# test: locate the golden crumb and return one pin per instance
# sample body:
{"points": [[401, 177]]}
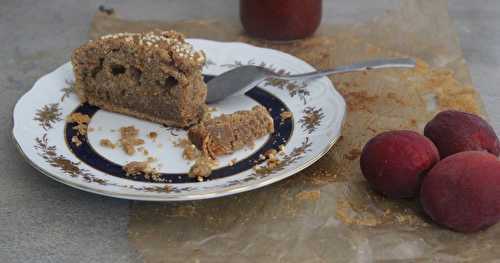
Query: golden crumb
{"points": [[90, 129], [129, 139], [282, 149], [76, 140], [107, 143], [308, 195], [153, 135], [273, 163], [201, 168], [81, 120], [271, 154], [135, 168], [233, 162], [189, 150], [81, 129], [129, 149], [353, 154], [129, 131], [144, 168], [286, 115]]}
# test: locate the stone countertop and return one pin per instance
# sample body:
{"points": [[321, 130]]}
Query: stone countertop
{"points": [[44, 221]]}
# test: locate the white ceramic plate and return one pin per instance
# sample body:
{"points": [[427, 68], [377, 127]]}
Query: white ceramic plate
{"points": [[44, 137]]}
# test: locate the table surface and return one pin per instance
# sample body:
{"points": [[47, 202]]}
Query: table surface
{"points": [[44, 221]]}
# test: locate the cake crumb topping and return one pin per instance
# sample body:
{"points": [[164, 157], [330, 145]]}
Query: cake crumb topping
{"points": [[181, 51]]}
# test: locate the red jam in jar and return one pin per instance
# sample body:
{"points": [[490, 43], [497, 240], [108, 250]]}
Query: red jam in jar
{"points": [[280, 19]]}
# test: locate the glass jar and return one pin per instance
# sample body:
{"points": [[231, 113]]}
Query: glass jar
{"points": [[280, 19]]}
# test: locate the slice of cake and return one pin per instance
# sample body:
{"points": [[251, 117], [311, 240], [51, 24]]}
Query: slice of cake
{"points": [[154, 76], [228, 133]]}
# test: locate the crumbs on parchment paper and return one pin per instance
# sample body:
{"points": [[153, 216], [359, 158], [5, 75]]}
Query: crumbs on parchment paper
{"points": [[308, 195]]}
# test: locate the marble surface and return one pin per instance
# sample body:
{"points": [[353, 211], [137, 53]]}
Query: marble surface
{"points": [[44, 221]]}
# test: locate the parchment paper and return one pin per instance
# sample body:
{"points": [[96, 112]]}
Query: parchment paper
{"points": [[327, 213]]}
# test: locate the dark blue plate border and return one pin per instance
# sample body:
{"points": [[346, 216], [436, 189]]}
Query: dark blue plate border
{"points": [[282, 133]]}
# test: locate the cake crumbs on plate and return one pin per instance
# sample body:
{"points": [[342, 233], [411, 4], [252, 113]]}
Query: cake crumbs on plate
{"points": [[282, 149], [233, 162], [129, 139], [189, 150], [137, 168], [271, 162], [286, 115], [271, 154], [76, 140], [201, 168], [81, 120], [153, 135], [107, 143]]}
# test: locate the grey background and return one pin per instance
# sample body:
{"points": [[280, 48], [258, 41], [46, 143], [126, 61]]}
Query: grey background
{"points": [[44, 221]]}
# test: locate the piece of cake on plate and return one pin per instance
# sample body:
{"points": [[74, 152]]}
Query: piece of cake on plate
{"points": [[230, 132], [155, 76]]}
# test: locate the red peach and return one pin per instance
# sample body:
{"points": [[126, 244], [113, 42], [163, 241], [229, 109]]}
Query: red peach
{"points": [[393, 162], [455, 131], [462, 192]]}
